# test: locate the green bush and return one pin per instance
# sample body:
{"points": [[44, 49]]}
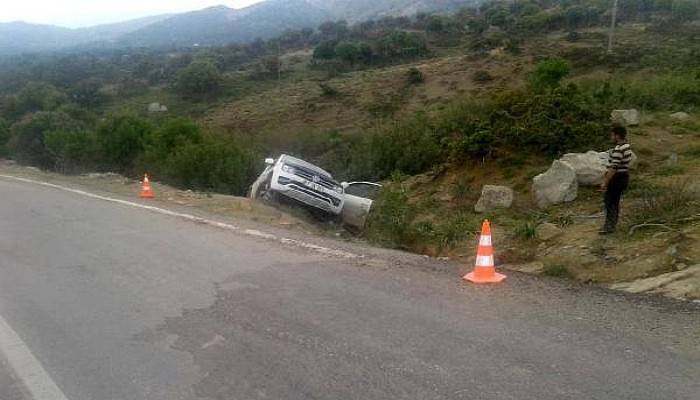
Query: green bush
{"points": [[39, 96], [556, 270], [328, 90], [72, 150], [122, 139], [410, 147], [414, 76], [214, 164], [549, 73], [481, 76], [198, 79], [390, 221], [28, 137], [4, 138]]}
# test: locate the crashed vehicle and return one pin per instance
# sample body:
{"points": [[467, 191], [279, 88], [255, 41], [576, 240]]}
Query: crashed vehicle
{"points": [[292, 178]]}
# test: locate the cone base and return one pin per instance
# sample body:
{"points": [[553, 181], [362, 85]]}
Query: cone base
{"points": [[147, 196], [495, 278]]}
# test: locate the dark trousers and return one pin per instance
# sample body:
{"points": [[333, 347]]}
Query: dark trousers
{"points": [[617, 186]]}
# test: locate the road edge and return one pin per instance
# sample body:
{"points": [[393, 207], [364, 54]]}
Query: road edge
{"points": [[327, 251]]}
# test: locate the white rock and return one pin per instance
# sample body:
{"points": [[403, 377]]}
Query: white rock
{"points": [[626, 117], [684, 285], [156, 107], [494, 197], [680, 116], [556, 186], [590, 167]]}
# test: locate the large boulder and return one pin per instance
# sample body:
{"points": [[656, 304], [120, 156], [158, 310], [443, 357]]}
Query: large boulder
{"points": [[494, 197], [157, 107], [556, 186], [680, 116], [626, 117], [590, 167]]}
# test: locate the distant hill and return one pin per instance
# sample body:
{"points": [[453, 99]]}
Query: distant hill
{"points": [[220, 25], [20, 37], [213, 26]]}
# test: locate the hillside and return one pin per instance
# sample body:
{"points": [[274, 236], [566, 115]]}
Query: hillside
{"points": [[213, 26]]}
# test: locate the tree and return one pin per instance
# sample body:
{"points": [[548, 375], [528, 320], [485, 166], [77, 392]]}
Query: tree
{"points": [[87, 93], [28, 142], [685, 10], [549, 73], [121, 140], [39, 96], [198, 79], [348, 52], [435, 24], [4, 138], [325, 50]]}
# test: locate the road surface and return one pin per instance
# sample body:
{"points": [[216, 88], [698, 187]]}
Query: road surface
{"points": [[113, 302]]}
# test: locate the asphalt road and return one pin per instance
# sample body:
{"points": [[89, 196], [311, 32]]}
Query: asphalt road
{"points": [[121, 303]]}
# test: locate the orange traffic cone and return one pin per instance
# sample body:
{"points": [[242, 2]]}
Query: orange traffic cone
{"points": [[484, 269], [146, 190]]}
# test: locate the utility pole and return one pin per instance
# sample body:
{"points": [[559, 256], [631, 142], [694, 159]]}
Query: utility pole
{"points": [[611, 38]]}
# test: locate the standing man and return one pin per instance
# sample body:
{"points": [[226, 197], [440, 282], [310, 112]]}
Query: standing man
{"points": [[616, 178]]}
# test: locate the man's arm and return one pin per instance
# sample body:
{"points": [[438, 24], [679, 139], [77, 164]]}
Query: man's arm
{"points": [[607, 177]]}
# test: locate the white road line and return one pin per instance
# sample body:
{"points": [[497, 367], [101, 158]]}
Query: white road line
{"points": [[221, 225], [26, 366]]}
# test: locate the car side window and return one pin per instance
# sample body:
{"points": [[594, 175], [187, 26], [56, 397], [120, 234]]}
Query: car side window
{"points": [[363, 190]]}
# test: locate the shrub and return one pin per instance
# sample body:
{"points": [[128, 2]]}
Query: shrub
{"points": [[325, 50], [4, 138], [72, 150], [39, 96], [28, 142], [482, 76], [693, 151], [328, 90], [526, 230], [414, 76], [121, 140], [198, 79], [549, 73], [556, 270], [390, 221], [385, 105], [214, 164], [410, 147]]}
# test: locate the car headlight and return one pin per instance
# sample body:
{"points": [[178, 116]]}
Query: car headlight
{"points": [[338, 189], [288, 169]]}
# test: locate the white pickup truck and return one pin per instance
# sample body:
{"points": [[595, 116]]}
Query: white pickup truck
{"points": [[314, 187]]}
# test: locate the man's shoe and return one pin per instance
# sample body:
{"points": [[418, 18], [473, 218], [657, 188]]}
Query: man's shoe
{"points": [[605, 231]]}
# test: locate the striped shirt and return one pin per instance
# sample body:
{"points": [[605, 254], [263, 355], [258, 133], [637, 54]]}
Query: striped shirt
{"points": [[619, 157]]}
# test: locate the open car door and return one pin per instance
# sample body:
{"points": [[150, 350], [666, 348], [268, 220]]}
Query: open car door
{"points": [[359, 197]]}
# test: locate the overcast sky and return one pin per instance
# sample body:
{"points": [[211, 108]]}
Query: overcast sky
{"points": [[79, 13]]}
